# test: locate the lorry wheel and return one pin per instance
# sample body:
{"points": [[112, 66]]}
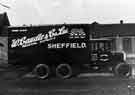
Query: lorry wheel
{"points": [[123, 70], [64, 71], [42, 71]]}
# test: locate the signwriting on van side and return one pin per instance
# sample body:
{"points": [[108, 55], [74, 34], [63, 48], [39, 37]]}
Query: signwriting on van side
{"points": [[67, 45], [25, 41]]}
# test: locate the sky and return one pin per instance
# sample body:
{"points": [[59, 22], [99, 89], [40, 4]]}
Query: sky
{"points": [[68, 11]]}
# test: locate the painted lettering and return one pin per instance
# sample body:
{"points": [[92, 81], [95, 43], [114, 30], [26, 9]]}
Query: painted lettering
{"points": [[67, 45], [52, 34]]}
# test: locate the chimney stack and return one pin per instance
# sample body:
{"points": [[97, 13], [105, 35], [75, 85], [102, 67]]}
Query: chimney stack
{"points": [[121, 21]]}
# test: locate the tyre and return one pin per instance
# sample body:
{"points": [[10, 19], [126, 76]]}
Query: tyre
{"points": [[42, 71], [123, 70], [64, 71]]}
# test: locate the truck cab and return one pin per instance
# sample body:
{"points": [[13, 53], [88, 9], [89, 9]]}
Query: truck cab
{"points": [[104, 60]]}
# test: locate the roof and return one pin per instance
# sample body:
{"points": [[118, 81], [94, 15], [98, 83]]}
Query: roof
{"points": [[113, 30], [97, 30]]}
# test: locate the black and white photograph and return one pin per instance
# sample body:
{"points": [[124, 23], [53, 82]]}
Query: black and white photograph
{"points": [[67, 47]]}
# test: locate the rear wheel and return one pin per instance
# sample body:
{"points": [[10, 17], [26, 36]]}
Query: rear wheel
{"points": [[42, 71], [64, 71]]}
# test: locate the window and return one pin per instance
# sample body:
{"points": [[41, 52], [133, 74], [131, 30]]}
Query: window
{"points": [[94, 45], [101, 45], [127, 45], [113, 44]]}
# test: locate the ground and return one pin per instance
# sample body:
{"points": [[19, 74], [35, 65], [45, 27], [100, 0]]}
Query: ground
{"points": [[11, 83]]}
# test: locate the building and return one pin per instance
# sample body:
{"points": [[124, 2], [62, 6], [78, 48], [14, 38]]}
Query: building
{"points": [[4, 22]]}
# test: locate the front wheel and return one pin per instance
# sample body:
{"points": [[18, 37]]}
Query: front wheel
{"points": [[123, 70], [64, 71]]}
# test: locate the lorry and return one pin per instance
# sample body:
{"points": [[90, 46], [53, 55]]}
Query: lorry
{"points": [[64, 51]]}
